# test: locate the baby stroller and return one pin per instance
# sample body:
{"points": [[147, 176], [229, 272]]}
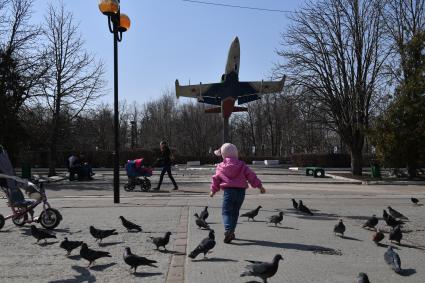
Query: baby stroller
{"points": [[23, 209], [137, 173]]}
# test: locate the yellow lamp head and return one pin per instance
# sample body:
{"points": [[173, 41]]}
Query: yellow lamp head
{"points": [[109, 7]]}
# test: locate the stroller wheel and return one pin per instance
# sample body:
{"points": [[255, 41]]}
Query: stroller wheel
{"points": [[145, 185], [20, 220], [1, 221], [50, 218], [128, 188]]}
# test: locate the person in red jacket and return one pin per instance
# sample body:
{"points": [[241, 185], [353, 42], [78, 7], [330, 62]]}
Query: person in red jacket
{"points": [[232, 176]]}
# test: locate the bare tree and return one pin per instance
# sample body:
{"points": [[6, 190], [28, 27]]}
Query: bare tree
{"points": [[22, 67], [75, 78], [335, 50]]}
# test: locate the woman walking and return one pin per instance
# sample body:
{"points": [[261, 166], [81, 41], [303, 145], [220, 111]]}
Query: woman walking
{"points": [[165, 161]]}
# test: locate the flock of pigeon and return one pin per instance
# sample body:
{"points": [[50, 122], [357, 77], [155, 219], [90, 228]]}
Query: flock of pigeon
{"points": [[91, 255], [263, 270]]}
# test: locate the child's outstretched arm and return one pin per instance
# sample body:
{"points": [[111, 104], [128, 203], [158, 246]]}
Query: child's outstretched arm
{"points": [[215, 184], [253, 179]]}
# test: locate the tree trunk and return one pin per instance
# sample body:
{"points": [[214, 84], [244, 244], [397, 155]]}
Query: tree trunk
{"points": [[356, 161], [54, 137]]}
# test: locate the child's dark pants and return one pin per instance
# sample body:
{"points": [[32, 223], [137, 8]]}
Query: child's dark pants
{"points": [[232, 202]]}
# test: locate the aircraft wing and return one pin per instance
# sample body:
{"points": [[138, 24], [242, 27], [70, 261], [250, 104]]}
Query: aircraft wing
{"points": [[251, 91], [200, 91]]}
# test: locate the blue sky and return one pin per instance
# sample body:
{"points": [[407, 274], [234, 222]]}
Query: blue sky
{"points": [[172, 39]]}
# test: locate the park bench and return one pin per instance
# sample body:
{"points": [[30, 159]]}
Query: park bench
{"points": [[315, 171]]}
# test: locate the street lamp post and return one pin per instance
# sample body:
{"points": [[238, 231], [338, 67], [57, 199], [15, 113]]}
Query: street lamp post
{"points": [[118, 23]]}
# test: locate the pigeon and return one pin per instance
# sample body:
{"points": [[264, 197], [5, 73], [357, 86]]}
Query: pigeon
{"points": [[276, 219], [391, 221], [91, 255], [394, 213], [41, 234], [264, 270], [396, 234], [362, 278], [339, 228], [371, 222], [69, 245], [251, 214], [161, 241], [414, 200], [201, 222], [393, 260], [135, 261], [378, 236], [101, 234], [294, 204], [205, 246], [304, 209], [130, 225], [204, 214], [385, 215]]}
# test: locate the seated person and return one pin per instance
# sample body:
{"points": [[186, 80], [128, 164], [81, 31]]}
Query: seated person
{"points": [[85, 170]]}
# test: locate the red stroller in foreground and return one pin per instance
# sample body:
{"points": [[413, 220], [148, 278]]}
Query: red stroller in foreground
{"points": [[137, 173], [23, 209]]}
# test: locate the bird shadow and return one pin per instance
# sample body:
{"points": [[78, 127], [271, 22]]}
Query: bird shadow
{"points": [[407, 272], [64, 230], [386, 246], [351, 238], [410, 246], [171, 252], [214, 259], [259, 221], [283, 227], [84, 276], [102, 267], [146, 274], [288, 246], [47, 244], [74, 257], [358, 217], [318, 216], [5, 231], [110, 244]]}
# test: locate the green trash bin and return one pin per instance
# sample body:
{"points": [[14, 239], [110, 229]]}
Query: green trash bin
{"points": [[26, 171], [376, 171]]}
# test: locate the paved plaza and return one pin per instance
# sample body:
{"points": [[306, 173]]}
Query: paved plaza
{"points": [[311, 252]]}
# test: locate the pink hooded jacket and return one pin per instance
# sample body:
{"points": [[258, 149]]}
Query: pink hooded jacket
{"points": [[233, 173]]}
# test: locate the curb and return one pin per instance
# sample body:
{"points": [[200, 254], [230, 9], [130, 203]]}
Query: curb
{"points": [[176, 270]]}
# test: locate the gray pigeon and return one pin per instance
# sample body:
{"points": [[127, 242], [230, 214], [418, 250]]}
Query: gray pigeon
{"points": [[393, 260], [69, 245], [276, 219], [251, 214], [41, 234], [304, 209], [391, 221], [91, 255], [264, 270], [396, 234], [339, 228], [101, 234], [294, 204], [371, 222], [394, 213], [134, 260], [130, 225], [362, 278], [205, 246], [204, 214], [201, 222], [161, 241]]}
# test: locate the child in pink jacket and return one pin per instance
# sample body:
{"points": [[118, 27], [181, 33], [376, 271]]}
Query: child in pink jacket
{"points": [[232, 176]]}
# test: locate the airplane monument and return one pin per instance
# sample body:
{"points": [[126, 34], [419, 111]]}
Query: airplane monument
{"points": [[225, 93]]}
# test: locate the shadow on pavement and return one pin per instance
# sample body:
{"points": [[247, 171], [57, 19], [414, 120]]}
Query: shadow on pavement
{"points": [[171, 252], [110, 244], [47, 244], [146, 274], [351, 238], [214, 259], [289, 246], [283, 227], [84, 276], [408, 272], [411, 247], [102, 267], [74, 257]]}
